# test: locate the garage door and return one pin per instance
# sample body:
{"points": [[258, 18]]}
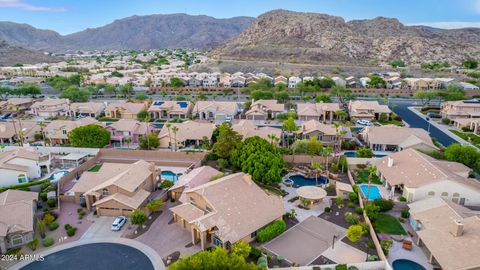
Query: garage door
{"points": [[112, 212]]}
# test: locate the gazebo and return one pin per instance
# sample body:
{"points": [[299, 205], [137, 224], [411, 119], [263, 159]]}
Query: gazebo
{"points": [[313, 194]]}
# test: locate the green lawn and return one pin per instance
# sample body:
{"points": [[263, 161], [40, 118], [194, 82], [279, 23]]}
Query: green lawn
{"points": [[361, 176], [392, 122], [474, 139], [388, 224], [95, 168]]}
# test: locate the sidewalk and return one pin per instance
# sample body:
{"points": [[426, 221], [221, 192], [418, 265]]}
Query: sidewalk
{"points": [[443, 128]]}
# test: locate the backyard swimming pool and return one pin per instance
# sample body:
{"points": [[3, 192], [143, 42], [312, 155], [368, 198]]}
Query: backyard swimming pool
{"points": [[169, 175], [373, 194], [57, 175], [352, 154], [300, 180], [403, 264]]}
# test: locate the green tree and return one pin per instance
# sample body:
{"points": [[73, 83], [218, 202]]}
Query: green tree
{"points": [[89, 136], [141, 115], [176, 82], [257, 157], [141, 96], [343, 95], [28, 89], [454, 92], [126, 90], [149, 142], [117, 74], [425, 95], [138, 217], [372, 210], [241, 248], [323, 98], [5, 92], [466, 155], [75, 94], [261, 94], [41, 228], [218, 258], [364, 152], [155, 205], [289, 126], [282, 96], [226, 141], [354, 233], [110, 89], [397, 63], [470, 64], [377, 82]]}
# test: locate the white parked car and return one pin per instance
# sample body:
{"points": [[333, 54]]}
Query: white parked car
{"points": [[118, 223], [364, 122]]}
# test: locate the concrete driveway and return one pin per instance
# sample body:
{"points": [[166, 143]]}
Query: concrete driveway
{"points": [[166, 237], [102, 228]]}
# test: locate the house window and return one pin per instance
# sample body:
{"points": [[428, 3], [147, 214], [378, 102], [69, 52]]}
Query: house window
{"points": [[217, 241], [192, 200], [104, 192], [456, 194], [64, 131], [431, 193], [22, 178], [253, 234], [444, 194], [17, 240]]}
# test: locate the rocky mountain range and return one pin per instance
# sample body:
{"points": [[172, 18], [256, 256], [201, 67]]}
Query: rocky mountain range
{"points": [[11, 55], [136, 32], [298, 37]]}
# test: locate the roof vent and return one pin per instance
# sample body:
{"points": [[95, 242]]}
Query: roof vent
{"points": [[456, 229], [390, 162]]}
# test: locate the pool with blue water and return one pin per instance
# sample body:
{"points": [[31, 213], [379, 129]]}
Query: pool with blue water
{"points": [[373, 194], [169, 175], [403, 264], [300, 180]]}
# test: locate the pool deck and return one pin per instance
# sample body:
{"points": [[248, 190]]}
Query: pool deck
{"points": [[303, 214], [416, 254]]}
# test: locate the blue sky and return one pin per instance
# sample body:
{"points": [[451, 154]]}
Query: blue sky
{"points": [[69, 16]]}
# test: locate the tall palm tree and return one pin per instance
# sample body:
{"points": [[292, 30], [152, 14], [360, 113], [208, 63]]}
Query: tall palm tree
{"points": [[328, 151], [147, 120], [168, 125], [317, 167], [42, 126], [175, 130], [372, 170]]}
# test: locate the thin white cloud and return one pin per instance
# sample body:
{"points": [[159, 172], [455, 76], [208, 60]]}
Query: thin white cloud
{"points": [[449, 25], [476, 5], [20, 4]]}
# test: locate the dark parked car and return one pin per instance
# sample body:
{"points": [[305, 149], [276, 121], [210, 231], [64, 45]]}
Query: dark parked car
{"points": [[434, 115]]}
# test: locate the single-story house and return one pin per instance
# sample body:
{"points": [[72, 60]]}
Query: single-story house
{"points": [[230, 209], [21, 166], [248, 128], [394, 138], [126, 110], [368, 110], [264, 109], [217, 111], [92, 109], [170, 109], [190, 133], [10, 131], [317, 111]]}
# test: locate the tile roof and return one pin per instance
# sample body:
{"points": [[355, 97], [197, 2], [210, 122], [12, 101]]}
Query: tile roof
{"points": [[16, 211]]}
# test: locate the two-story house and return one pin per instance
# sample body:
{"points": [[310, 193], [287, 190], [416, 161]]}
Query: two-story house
{"points": [[368, 110], [327, 134], [16, 105], [21, 166], [264, 109], [165, 110], [460, 109], [50, 107], [317, 111], [117, 188], [57, 130], [216, 111], [128, 110], [91, 109], [128, 131]]}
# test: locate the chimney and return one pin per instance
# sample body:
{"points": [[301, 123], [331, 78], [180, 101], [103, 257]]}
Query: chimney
{"points": [[456, 229], [390, 162]]}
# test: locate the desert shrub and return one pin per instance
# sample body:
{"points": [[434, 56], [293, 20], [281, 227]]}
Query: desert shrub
{"points": [[166, 184], [51, 202], [48, 241], [350, 205], [351, 218], [466, 129], [359, 210], [330, 188], [361, 166], [48, 218], [353, 197], [341, 267], [385, 205], [33, 244], [255, 252], [370, 244], [446, 121], [71, 231], [42, 196], [328, 209], [338, 200], [271, 231], [402, 199], [262, 262], [222, 164], [67, 226], [405, 213], [53, 226], [334, 167]]}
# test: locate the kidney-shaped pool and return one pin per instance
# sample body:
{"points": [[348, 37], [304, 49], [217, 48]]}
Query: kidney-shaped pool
{"points": [[96, 256]]}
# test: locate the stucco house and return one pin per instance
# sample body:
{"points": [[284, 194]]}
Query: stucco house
{"points": [[394, 138], [417, 176], [10, 131], [50, 107], [129, 129], [460, 109], [194, 178], [248, 128], [190, 133], [21, 166], [294, 81], [57, 130], [368, 110], [17, 213], [16, 105], [230, 209], [264, 109], [327, 134], [117, 188], [317, 111], [91, 109], [170, 109], [447, 232], [126, 110], [217, 111]]}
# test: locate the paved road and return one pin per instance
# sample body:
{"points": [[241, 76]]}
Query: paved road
{"points": [[416, 121], [98, 256]]}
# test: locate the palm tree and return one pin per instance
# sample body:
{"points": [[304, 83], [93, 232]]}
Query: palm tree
{"points": [[317, 167], [168, 125], [372, 170], [175, 130], [128, 140], [42, 126], [328, 151], [147, 120]]}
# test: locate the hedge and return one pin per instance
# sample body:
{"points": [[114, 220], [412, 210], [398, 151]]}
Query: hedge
{"points": [[71, 231], [25, 185], [271, 231]]}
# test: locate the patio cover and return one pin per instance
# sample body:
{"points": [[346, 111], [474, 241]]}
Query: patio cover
{"points": [[311, 192]]}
